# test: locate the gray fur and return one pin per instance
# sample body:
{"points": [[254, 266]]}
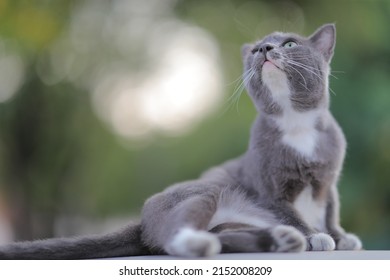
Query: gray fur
{"points": [[262, 200], [122, 243]]}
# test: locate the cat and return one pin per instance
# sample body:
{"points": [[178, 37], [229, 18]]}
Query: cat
{"points": [[279, 196]]}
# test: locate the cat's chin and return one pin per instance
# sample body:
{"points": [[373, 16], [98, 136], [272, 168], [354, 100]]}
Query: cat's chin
{"points": [[275, 79]]}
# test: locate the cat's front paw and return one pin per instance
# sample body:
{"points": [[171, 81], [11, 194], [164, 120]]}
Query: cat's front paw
{"points": [[287, 239], [349, 241], [321, 242]]}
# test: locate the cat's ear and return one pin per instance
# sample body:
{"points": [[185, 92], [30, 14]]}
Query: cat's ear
{"points": [[246, 49], [324, 40]]}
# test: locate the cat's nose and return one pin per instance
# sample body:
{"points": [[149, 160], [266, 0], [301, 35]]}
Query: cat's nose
{"points": [[266, 48]]}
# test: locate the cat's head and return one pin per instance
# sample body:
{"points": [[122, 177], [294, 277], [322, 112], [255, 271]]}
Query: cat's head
{"points": [[285, 69]]}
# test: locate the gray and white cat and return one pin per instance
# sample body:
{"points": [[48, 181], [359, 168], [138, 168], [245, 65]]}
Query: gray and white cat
{"points": [[279, 196]]}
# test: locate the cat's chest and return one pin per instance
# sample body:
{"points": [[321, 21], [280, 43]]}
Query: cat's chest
{"points": [[310, 209], [298, 131]]}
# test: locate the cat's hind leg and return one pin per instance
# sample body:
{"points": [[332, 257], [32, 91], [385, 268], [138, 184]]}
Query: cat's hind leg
{"points": [[175, 221], [248, 239], [189, 242]]}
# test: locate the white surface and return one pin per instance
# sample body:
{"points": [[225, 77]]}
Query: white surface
{"points": [[330, 255]]}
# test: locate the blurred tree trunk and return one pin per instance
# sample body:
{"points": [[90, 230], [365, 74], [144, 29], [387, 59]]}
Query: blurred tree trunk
{"points": [[37, 155]]}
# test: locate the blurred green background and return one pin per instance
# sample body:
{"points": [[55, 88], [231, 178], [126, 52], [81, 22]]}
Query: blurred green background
{"points": [[103, 103]]}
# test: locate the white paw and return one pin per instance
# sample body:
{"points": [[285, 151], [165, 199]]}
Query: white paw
{"points": [[321, 242], [193, 243], [288, 239], [349, 242]]}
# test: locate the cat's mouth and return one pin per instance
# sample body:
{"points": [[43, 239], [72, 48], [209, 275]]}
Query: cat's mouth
{"points": [[269, 63]]}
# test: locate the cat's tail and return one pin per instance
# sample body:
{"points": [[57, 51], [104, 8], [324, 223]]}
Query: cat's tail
{"points": [[126, 242]]}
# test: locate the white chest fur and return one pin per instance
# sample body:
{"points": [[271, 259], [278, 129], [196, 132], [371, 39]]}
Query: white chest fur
{"points": [[310, 210], [298, 128]]}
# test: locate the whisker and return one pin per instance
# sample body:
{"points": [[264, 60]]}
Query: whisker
{"points": [[306, 68], [332, 91], [304, 86], [338, 71], [240, 77], [301, 55], [235, 97], [300, 63], [300, 75], [333, 71]]}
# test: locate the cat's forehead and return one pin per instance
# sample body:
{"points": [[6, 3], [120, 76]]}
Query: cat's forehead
{"points": [[280, 37]]}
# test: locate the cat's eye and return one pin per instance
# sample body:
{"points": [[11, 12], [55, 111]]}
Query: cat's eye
{"points": [[290, 44]]}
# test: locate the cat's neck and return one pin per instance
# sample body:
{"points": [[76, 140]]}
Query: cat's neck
{"points": [[297, 130]]}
